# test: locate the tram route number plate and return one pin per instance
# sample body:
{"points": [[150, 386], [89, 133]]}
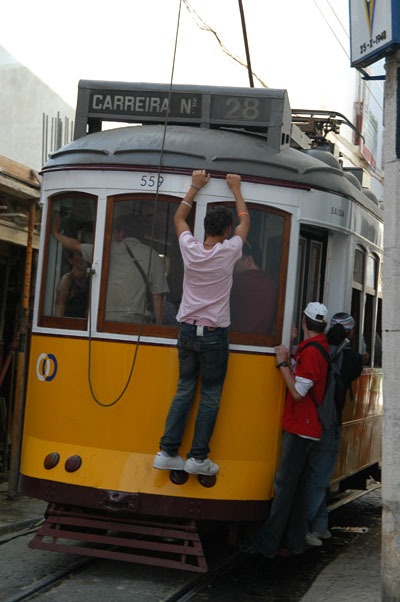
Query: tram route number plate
{"points": [[240, 108], [154, 104]]}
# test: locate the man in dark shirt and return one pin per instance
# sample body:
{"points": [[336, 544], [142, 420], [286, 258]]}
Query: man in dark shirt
{"points": [[253, 295]]}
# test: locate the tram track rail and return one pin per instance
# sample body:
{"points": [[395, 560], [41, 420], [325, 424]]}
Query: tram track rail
{"points": [[196, 585], [183, 593], [43, 584], [27, 531]]}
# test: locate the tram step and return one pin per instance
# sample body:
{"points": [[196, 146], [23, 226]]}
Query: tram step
{"points": [[149, 542]]}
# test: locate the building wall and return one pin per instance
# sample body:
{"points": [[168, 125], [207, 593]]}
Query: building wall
{"points": [[23, 100]]}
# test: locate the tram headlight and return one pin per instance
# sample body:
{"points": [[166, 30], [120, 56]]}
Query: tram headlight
{"points": [[51, 460], [73, 463]]}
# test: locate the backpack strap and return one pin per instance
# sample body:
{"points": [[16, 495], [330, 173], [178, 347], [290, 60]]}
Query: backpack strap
{"points": [[325, 354], [320, 349], [149, 296], [339, 349]]}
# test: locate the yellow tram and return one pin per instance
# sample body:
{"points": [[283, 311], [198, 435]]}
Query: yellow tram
{"points": [[100, 383]]}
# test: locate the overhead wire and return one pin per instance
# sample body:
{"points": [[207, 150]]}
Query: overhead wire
{"points": [[107, 405], [338, 18], [205, 27], [332, 30], [347, 54], [367, 85]]}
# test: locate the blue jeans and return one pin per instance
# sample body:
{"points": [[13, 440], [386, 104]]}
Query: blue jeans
{"points": [[321, 464], [208, 355], [286, 525]]}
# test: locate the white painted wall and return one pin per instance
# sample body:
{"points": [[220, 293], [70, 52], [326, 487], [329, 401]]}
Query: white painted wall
{"points": [[23, 100], [391, 341]]}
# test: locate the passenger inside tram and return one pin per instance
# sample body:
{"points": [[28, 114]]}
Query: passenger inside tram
{"points": [[175, 282], [67, 288], [129, 276], [127, 272], [73, 289], [253, 294]]}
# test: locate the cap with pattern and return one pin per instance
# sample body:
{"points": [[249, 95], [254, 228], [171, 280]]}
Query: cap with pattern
{"points": [[346, 320]]}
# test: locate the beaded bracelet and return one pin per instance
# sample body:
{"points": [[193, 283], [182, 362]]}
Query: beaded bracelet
{"points": [[194, 186]]}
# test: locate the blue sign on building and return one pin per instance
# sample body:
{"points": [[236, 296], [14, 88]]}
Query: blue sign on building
{"points": [[374, 30]]}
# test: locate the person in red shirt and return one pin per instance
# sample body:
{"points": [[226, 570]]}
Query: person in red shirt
{"points": [[284, 531]]}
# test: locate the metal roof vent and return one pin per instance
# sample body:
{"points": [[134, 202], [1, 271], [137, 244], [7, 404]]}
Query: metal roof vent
{"points": [[370, 195], [353, 179], [325, 157]]}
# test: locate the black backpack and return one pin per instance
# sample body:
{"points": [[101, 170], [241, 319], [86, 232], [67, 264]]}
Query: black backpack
{"points": [[335, 387]]}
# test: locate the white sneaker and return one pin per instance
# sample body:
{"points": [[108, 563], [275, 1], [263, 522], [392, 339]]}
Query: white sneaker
{"points": [[312, 540], [323, 535], [163, 461], [206, 467]]}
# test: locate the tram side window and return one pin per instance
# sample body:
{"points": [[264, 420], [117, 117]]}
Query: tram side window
{"points": [[143, 254], [366, 306], [311, 262], [255, 290], [356, 298], [69, 254], [370, 322]]}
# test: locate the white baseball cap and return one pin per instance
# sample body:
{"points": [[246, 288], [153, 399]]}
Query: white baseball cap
{"points": [[316, 311]]}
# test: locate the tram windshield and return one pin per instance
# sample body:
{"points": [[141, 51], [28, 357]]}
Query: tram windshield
{"points": [[142, 268], [142, 273], [69, 254]]}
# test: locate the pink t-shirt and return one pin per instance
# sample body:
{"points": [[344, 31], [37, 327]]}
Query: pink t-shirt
{"points": [[207, 280]]}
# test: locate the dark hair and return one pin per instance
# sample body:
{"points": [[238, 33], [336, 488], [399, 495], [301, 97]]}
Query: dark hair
{"points": [[217, 220], [130, 224], [336, 334], [250, 250], [72, 252], [314, 325]]}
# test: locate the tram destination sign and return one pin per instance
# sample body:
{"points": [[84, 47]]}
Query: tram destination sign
{"points": [[142, 104], [258, 109], [374, 30]]}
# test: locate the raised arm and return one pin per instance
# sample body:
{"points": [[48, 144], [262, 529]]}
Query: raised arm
{"points": [[199, 179], [69, 243], [233, 181], [283, 355]]}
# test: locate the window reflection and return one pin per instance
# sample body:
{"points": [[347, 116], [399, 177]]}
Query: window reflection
{"points": [[372, 268], [256, 276], [69, 255], [365, 307], [72, 292], [140, 261], [358, 272]]}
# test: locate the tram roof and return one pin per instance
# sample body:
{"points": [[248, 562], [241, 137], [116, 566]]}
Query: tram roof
{"points": [[213, 150]]}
